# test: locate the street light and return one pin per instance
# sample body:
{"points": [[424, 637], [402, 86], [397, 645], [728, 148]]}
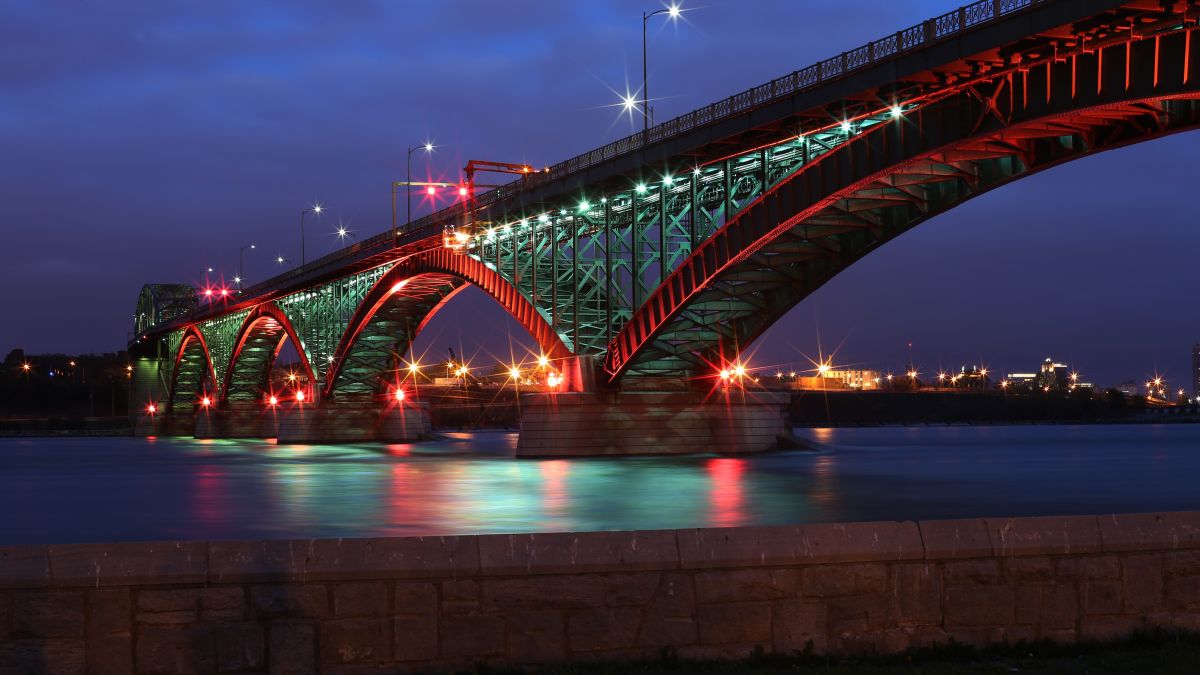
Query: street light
{"points": [[315, 208], [673, 12], [428, 148], [241, 262]]}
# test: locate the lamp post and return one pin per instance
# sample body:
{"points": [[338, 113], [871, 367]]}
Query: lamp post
{"points": [[673, 13], [241, 263], [315, 208], [428, 148]]}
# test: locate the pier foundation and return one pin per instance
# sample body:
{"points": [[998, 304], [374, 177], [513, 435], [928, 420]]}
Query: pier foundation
{"points": [[647, 423], [239, 420], [342, 421]]}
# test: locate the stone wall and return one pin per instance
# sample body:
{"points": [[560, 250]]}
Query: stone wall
{"points": [[345, 605]]}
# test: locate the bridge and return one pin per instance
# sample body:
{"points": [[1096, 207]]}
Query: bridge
{"points": [[660, 256]]}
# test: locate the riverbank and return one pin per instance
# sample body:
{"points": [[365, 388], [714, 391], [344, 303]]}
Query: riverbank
{"points": [[530, 600]]}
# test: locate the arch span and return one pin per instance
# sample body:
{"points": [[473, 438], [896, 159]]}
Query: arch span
{"points": [[191, 370], [893, 176], [401, 303], [261, 336]]}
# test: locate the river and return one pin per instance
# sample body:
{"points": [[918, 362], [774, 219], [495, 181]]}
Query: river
{"points": [[61, 490]]}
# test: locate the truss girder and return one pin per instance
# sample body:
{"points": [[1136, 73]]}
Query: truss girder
{"points": [[943, 153]]}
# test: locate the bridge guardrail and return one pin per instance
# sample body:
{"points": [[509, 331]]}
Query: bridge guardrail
{"points": [[891, 46]]}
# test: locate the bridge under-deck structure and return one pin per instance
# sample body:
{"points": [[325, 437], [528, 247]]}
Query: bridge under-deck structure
{"points": [[656, 259]]}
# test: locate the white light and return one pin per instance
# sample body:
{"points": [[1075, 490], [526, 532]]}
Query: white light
{"points": [[846, 127], [641, 187], [544, 218], [341, 233], [237, 280], [429, 147], [897, 111], [667, 180], [316, 208], [279, 259], [583, 205], [628, 103], [673, 11]]}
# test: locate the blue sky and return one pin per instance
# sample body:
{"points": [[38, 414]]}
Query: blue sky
{"points": [[146, 141]]}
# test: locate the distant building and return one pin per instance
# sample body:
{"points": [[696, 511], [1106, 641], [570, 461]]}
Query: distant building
{"points": [[1128, 387], [1196, 370], [1021, 381], [860, 380], [1051, 376]]}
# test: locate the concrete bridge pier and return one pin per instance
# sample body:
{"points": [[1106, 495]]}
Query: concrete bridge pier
{"points": [[239, 419], [354, 421], [164, 424], [650, 423]]}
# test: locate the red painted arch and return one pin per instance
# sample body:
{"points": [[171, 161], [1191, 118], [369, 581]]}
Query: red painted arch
{"points": [[460, 266], [267, 310], [190, 333]]}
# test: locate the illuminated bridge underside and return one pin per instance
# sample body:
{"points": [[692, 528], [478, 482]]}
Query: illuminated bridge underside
{"points": [[192, 372], [893, 176]]}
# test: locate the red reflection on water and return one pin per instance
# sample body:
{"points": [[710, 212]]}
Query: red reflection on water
{"points": [[554, 491], [211, 501], [726, 496]]}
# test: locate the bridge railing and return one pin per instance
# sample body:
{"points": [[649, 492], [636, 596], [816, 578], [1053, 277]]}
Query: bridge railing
{"points": [[889, 47]]}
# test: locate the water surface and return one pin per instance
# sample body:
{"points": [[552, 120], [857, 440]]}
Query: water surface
{"points": [[114, 489]]}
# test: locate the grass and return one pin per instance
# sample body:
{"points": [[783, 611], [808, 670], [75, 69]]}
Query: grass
{"points": [[1165, 653]]}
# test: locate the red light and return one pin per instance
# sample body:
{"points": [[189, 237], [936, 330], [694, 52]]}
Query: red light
{"points": [[300, 396], [151, 408], [430, 190], [462, 192], [206, 401], [208, 291], [272, 401], [224, 291], [399, 394]]}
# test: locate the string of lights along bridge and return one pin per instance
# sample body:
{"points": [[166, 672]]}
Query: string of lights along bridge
{"points": [[663, 255]]}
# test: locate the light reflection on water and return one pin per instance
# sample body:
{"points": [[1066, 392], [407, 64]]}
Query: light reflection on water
{"points": [[107, 489]]}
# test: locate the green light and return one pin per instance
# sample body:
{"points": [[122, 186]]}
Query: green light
{"points": [[641, 188]]}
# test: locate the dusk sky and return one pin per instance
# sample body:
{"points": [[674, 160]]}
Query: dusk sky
{"points": [[146, 141]]}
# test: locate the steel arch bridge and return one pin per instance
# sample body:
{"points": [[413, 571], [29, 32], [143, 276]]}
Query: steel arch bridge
{"points": [[668, 252]]}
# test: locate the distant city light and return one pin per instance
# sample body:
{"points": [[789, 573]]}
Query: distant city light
{"points": [[514, 373], [543, 361], [151, 408]]}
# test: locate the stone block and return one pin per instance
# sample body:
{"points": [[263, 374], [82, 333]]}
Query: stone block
{"points": [[129, 564], [257, 561], [471, 637], [1051, 535], [360, 599], [1102, 597], [393, 558], [536, 637], [916, 593], [290, 600], [796, 624], [833, 580], [742, 623], [356, 640], [1059, 609], [1144, 531], [550, 592], [1182, 593], [54, 655], [174, 606], [947, 539], [109, 631], [416, 597], [979, 606], [291, 648], [416, 638], [741, 585], [1182, 562], [573, 553], [223, 603], [1108, 628], [1089, 567], [1027, 608], [240, 647], [962, 572], [179, 650], [48, 614], [24, 566], [1033, 568], [859, 614], [603, 628], [669, 618], [629, 590], [1142, 583]]}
